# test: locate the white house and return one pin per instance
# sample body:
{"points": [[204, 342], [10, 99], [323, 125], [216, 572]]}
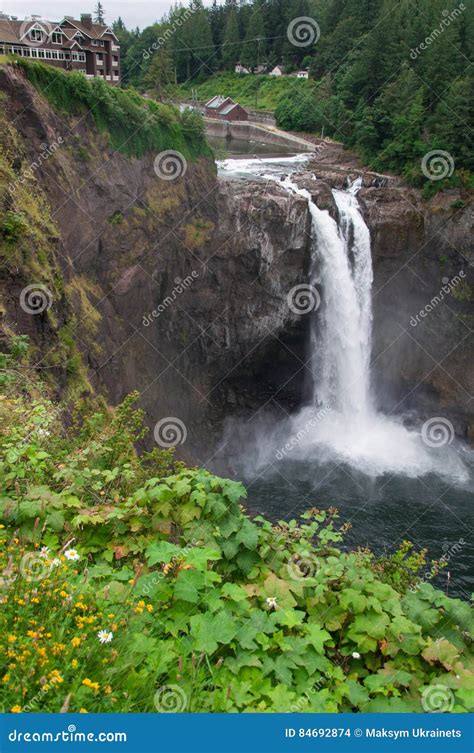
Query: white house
{"points": [[302, 74], [239, 68], [278, 70]]}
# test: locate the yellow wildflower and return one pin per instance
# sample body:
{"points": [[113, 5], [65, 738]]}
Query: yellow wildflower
{"points": [[76, 642], [15, 709], [92, 685]]}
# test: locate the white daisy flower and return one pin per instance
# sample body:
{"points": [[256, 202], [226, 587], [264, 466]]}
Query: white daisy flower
{"points": [[355, 655], [71, 554], [44, 551], [105, 636], [272, 602], [56, 562]]}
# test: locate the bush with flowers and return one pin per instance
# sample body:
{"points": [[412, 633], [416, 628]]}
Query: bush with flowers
{"points": [[131, 583]]}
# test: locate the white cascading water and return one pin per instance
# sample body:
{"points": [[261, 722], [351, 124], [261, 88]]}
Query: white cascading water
{"points": [[343, 424], [344, 327]]}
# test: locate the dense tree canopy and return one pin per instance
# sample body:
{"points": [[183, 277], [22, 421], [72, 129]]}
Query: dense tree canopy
{"points": [[390, 78]]}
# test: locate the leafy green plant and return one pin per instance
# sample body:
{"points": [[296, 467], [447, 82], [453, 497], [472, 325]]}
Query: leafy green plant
{"points": [[135, 125], [13, 226], [125, 575]]}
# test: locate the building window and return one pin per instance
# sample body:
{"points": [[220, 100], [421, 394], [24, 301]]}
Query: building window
{"points": [[36, 35], [57, 37]]}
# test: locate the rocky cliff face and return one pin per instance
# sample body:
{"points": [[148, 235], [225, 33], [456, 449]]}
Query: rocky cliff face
{"points": [[179, 288]]}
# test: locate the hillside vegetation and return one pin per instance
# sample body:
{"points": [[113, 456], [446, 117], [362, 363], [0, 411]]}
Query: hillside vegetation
{"points": [[255, 92], [135, 125], [392, 79], [137, 584]]}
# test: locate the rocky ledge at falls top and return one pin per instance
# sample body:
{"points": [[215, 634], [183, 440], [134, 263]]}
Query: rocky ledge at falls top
{"points": [[229, 342]]}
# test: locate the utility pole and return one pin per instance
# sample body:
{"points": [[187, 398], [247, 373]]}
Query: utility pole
{"points": [[258, 73]]}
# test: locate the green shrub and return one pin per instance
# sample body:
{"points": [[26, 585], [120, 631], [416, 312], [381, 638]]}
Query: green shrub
{"points": [[161, 564], [135, 125]]}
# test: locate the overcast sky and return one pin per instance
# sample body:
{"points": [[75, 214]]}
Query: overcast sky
{"points": [[135, 13]]}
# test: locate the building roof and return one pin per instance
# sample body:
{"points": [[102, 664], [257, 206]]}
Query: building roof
{"points": [[95, 31], [228, 108], [15, 31], [9, 30], [218, 101]]}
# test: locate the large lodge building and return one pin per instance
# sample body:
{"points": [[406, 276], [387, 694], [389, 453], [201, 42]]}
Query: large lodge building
{"points": [[83, 46]]}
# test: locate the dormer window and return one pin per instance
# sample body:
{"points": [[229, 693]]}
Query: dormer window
{"points": [[36, 35], [57, 37]]}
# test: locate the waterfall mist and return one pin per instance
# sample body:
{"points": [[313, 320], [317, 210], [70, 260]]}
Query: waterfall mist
{"points": [[342, 423]]}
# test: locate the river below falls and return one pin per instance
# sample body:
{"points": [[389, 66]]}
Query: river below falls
{"points": [[383, 512], [391, 479]]}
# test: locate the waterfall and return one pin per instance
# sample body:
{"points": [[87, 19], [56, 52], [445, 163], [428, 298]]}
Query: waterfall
{"points": [[341, 330], [342, 425], [349, 429]]}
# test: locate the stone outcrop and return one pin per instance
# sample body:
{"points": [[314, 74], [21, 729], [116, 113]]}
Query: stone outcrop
{"points": [[188, 281]]}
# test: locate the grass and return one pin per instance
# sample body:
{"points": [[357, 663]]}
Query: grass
{"points": [[245, 88], [134, 124]]}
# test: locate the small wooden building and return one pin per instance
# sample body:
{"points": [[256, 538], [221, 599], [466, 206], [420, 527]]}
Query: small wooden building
{"points": [[215, 105], [234, 112]]}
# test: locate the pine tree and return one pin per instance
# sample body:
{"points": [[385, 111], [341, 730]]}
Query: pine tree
{"points": [[231, 46], [254, 50], [99, 16], [160, 72]]}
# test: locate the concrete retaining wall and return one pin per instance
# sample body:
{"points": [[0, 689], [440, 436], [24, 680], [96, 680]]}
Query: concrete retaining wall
{"points": [[254, 132]]}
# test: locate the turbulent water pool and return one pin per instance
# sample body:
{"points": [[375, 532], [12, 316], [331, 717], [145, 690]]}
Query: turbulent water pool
{"points": [[383, 512], [393, 480]]}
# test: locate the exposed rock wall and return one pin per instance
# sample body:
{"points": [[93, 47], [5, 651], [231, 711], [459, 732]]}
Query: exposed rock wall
{"points": [[179, 288]]}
